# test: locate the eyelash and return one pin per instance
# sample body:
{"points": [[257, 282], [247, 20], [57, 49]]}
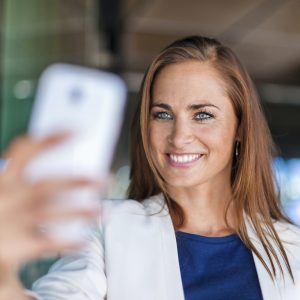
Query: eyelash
{"points": [[159, 116], [208, 115]]}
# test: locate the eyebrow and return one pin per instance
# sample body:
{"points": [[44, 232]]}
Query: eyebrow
{"points": [[190, 107]]}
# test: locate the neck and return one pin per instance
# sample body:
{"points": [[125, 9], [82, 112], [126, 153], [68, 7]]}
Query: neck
{"points": [[204, 209]]}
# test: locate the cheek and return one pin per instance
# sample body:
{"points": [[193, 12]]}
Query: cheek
{"points": [[158, 136], [224, 145], [220, 139]]}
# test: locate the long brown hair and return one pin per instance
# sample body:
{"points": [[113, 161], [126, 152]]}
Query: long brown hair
{"points": [[252, 179]]}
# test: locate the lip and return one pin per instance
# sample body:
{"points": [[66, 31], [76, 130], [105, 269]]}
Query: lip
{"points": [[183, 164]]}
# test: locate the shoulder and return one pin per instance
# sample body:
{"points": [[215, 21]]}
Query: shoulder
{"points": [[287, 231], [111, 208], [289, 234], [124, 222]]}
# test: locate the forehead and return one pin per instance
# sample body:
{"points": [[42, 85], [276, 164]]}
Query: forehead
{"points": [[189, 81]]}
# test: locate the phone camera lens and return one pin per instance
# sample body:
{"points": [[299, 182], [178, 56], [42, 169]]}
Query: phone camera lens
{"points": [[76, 95]]}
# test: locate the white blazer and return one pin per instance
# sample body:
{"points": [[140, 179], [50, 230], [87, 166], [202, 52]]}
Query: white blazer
{"points": [[133, 256]]}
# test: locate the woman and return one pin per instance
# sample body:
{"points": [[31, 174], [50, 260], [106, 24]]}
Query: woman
{"points": [[203, 220]]}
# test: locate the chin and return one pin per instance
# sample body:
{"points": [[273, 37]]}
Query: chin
{"points": [[182, 182]]}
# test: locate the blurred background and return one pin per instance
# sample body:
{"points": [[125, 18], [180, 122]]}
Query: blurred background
{"points": [[123, 36]]}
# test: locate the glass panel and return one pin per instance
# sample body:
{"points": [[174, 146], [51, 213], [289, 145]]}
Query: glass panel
{"points": [[36, 33]]}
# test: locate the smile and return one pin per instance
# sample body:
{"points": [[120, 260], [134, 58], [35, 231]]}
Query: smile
{"points": [[184, 158]]}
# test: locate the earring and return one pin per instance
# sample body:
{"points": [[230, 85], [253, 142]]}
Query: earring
{"points": [[237, 149]]}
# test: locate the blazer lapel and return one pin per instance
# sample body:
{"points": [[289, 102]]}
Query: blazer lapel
{"points": [[171, 266], [270, 289]]}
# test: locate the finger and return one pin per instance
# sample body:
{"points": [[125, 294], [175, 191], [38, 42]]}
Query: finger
{"points": [[25, 202], [25, 148], [57, 215], [35, 247], [46, 246], [49, 188]]}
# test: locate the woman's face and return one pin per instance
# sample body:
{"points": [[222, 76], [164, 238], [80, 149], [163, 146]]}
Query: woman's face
{"points": [[193, 126]]}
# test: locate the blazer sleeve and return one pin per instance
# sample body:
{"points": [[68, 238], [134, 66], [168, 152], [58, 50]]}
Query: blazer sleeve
{"points": [[78, 276]]}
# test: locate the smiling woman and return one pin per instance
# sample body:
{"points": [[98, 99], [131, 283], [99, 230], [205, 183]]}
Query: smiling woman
{"points": [[203, 220], [207, 148]]}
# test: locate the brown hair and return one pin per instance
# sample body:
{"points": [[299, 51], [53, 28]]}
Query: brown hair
{"points": [[252, 179]]}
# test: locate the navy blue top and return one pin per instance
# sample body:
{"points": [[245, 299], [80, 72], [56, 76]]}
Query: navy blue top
{"points": [[216, 268]]}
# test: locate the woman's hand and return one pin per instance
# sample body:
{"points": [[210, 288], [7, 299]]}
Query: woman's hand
{"points": [[24, 206]]}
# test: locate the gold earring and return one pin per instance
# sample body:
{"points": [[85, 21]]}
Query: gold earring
{"points": [[237, 149]]}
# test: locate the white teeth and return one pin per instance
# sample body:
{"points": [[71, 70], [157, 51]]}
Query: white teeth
{"points": [[186, 158]]}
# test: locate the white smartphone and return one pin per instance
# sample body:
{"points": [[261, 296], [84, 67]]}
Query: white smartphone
{"points": [[89, 104]]}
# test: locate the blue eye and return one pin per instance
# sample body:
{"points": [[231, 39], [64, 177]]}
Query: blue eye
{"points": [[162, 115], [203, 116]]}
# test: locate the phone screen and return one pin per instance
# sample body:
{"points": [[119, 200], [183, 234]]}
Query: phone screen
{"points": [[87, 103]]}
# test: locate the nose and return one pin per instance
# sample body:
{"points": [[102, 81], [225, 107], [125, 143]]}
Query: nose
{"points": [[181, 134]]}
